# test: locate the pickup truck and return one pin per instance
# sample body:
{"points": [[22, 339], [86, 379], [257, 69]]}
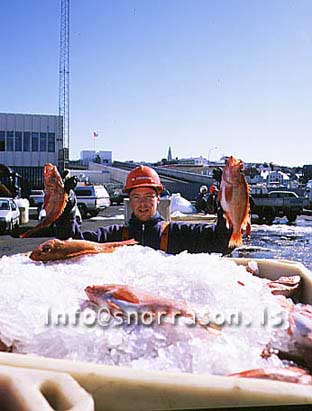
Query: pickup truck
{"points": [[276, 204], [91, 199]]}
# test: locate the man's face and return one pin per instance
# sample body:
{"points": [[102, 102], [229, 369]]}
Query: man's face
{"points": [[143, 201]]}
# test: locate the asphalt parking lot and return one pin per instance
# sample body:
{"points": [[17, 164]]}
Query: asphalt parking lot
{"points": [[10, 245]]}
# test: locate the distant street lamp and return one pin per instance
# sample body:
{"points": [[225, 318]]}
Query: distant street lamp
{"points": [[210, 150]]}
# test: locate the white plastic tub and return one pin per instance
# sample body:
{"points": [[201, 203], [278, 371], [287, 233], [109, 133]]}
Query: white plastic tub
{"points": [[24, 389], [117, 388]]}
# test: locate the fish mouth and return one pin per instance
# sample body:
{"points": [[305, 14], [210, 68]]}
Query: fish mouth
{"points": [[34, 256], [91, 292], [235, 163]]}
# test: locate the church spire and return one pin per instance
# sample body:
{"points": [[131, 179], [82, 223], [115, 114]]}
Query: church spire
{"points": [[169, 157]]}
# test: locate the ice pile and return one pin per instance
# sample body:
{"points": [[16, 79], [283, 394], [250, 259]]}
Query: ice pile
{"points": [[33, 294], [181, 204]]}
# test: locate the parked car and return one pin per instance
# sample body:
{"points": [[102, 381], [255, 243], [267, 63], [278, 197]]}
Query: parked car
{"points": [[36, 198], [92, 199], [118, 196], [9, 215]]}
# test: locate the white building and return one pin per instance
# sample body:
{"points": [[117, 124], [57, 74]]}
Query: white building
{"points": [[197, 161], [87, 156], [105, 156], [30, 140], [275, 177]]}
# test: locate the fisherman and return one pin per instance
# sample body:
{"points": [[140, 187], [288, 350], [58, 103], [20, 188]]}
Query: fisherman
{"points": [[146, 224], [69, 216], [212, 200], [201, 200]]}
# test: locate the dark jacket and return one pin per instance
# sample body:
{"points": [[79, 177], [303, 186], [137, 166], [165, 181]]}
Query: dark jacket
{"points": [[195, 238], [201, 203], [212, 203]]}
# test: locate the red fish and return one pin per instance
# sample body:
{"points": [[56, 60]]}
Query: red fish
{"points": [[234, 198], [126, 298], [55, 198], [287, 374], [287, 286], [55, 249]]}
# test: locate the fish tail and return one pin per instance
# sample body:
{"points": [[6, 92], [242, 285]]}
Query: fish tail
{"points": [[236, 239], [212, 328], [32, 230], [27, 233]]}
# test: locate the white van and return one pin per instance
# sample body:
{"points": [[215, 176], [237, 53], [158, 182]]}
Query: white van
{"points": [[9, 214], [91, 199]]}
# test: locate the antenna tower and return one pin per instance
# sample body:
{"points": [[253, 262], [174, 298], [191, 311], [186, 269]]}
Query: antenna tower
{"points": [[64, 82]]}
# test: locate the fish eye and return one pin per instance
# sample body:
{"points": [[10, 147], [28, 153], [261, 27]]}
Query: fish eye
{"points": [[46, 249]]}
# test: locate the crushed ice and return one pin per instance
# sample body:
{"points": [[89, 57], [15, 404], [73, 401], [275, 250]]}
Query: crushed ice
{"points": [[30, 290]]}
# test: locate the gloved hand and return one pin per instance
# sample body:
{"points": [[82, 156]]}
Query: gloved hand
{"points": [[65, 225], [70, 183], [69, 212], [220, 215]]}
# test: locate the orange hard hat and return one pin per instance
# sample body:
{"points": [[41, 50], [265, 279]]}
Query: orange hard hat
{"points": [[212, 189], [143, 176]]}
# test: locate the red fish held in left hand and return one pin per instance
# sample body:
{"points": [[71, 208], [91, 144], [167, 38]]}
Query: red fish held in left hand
{"points": [[55, 198], [234, 199]]}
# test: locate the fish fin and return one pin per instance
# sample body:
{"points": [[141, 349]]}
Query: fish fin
{"points": [[228, 193], [228, 220], [126, 295], [219, 195], [248, 229], [112, 306], [132, 241], [236, 239], [246, 224]]}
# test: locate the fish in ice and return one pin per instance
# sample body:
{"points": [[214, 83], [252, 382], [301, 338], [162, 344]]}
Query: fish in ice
{"points": [[234, 198], [55, 249], [286, 286], [287, 374], [55, 198], [125, 298], [300, 325]]}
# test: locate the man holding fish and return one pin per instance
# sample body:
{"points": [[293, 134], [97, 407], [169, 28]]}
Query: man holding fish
{"points": [[148, 228]]}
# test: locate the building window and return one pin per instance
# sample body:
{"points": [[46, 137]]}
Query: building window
{"points": [[18, 141], [2, 140], [26, 146], [34, 141], [10, 141], [51, 142], [43, 141]]}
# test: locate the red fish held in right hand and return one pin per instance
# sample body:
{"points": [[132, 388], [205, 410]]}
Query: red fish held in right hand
{"points": [[234, 199]]}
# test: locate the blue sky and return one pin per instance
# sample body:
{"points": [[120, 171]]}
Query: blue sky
{"points": [[146, 74]]}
